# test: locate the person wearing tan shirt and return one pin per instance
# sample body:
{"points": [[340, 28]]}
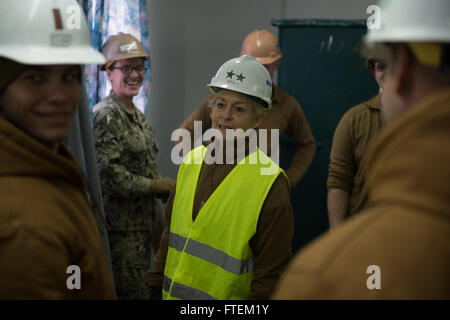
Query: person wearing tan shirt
{"points": [[399, 248], [286, 114], [50, 243], [354, 133]]}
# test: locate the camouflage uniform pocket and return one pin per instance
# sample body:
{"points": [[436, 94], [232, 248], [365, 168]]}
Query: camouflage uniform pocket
{"points": [[135, 141]]}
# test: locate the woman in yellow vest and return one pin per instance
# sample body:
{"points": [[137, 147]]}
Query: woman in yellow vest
{"points": [[229, 222]]}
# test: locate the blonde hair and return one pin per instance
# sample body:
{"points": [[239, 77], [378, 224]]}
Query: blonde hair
{"points": [[258, 105]]}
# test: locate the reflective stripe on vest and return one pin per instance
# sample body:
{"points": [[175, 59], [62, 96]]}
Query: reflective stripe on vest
{"points": [[181, 291], [211, 254], [210, 258]]}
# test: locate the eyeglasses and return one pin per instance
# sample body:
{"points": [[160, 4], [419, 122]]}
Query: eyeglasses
{"points": [[129, 69], [376, 64], [379, 65]]}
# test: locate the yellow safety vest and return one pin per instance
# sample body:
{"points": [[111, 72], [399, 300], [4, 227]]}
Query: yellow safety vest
{"points": [[210, 258]]}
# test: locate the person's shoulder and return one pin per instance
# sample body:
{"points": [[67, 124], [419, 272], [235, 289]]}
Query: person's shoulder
{"points": [[108, 105], [357, 243], [282, 96], [334, 241], [107, 112], [280, 190], [364, 107], [37, 206], [343, 259], [356, 112], [104, 105], [282, 100], [141, 118], [327, 262], [281, 182]]}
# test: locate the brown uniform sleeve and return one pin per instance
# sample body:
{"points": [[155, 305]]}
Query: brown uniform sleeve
{"points": [[38, 243], [272, 241], [305, 145], [342, 163], [157, 273], [199, 114]]}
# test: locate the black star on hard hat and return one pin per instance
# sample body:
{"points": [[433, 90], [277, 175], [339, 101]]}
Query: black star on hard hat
{"points": [[240, 77], [230, 74]]}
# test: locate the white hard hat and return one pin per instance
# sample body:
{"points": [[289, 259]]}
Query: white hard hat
{"points": [[421, 23], [245, 75], [46, 32], [412, 21]]}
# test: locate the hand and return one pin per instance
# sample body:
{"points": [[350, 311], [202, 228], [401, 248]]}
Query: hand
{"points": [[163, 197], [163, 186], [155, 293]]}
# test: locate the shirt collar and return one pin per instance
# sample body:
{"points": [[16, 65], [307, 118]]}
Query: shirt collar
{"points": [[374, 102], [119, 101], [276, 96]]}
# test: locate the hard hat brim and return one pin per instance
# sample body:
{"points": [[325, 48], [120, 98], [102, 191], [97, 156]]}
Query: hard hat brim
{"points": [[146, 56], [405, 36], [216, 88], [269, 60], [426, 53], [43, 55], [374, 49]]}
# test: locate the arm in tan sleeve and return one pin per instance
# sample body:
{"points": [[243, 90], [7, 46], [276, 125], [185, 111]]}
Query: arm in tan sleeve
{"points": [[337, 202], [199, 114], [271, 244], [305, 144], [35, 255], [341, 171], [37, 266], [157, 273], [342, 166]]}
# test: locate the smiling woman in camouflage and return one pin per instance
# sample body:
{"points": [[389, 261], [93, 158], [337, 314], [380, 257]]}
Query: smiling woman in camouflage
{"points": [[126, 155]]}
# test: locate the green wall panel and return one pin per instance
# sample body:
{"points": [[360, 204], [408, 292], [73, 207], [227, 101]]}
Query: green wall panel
{"points": [[323, 70]]}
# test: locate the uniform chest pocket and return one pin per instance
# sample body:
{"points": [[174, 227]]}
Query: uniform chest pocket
{"points": [[135, 141]]}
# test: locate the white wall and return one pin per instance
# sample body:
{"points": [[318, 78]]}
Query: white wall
{"points": [[215, 31], [167, 21], [190, 39]]}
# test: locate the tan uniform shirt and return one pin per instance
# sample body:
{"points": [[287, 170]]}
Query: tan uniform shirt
{"points": [[357, 128], [271, 244], [47, 224], [285, 115]]}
